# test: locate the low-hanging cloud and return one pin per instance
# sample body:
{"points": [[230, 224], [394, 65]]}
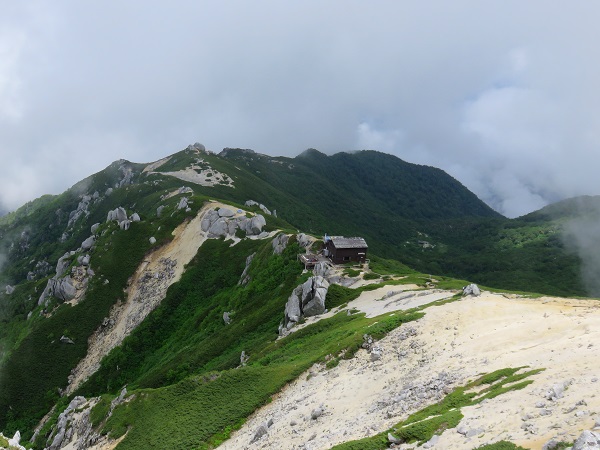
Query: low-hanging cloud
{"points": [[488, 92], [582, 235]]}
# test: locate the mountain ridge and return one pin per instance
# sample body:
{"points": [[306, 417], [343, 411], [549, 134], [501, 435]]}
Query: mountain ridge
{"points": [[110, 223]]}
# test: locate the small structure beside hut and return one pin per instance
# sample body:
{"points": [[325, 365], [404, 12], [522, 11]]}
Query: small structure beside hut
{"points": [[340, 249]]}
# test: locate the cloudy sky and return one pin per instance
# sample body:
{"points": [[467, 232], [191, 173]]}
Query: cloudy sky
{"points": [[502, 95]]}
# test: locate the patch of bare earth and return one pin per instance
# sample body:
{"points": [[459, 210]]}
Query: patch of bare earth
{"points": [[147, 288], [423, 360]]}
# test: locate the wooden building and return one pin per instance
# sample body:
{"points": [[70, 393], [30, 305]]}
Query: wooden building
{"points": [[340, 249]]}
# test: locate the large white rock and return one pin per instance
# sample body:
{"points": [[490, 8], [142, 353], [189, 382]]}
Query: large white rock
{"points": [[256, 224], [14, 441], [225, 212], [588, 440], [209, 218], [88, 243], [219, 228], [315, 304], [121, 214], [472, 289], [64, 289]]}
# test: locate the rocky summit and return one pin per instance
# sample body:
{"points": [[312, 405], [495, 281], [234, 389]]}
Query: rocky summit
{"points": [[194, 302]]}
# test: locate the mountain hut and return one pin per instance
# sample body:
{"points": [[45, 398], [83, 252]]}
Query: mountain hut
{"points": [[340, 249]]}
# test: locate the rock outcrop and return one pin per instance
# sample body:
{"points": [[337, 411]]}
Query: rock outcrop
{"points": [[72, 286], [262, 207], [307, 299], [14, 442], [120, 216], [588, 440], [245, 278], [322, 269], [219, 225], [88, 243], [280, 243], [472, 289], [74, 428], [304, 240], [40, 270]]}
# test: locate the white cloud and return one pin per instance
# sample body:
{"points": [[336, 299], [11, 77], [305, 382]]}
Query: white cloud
{"points": [[369, 138], [11, 44], [488, 92]]}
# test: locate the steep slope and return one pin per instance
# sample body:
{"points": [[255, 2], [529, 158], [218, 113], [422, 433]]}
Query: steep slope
{"points": [[126, 280]]}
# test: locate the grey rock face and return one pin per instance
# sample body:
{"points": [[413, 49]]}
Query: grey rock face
{"points": [[135, 217], [307, 299], [588, 440], [245, 278], [152, 240], [225, 212], [303, 240], [314, 292], [41, 269], [226, 318], [376, 353], [264, 209], [62, 264], [15, 440], [120, 214], [256, 224], [472, 289], [474, 432], [94, 228], [66, 340], [317, 412], [209, 218], [127, 172], [217, 224], [159, 210], [108, 191], [219, 228], [556, 391], [321, 269], [183, 203], [83, 260], [68, 426], [64, 289], [9, 289], [393, 440], [88, 243], [280, 243], [262, 430], [293, 307]]}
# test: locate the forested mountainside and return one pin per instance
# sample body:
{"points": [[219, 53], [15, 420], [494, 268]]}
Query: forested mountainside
{"points": [[164, 277]]}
